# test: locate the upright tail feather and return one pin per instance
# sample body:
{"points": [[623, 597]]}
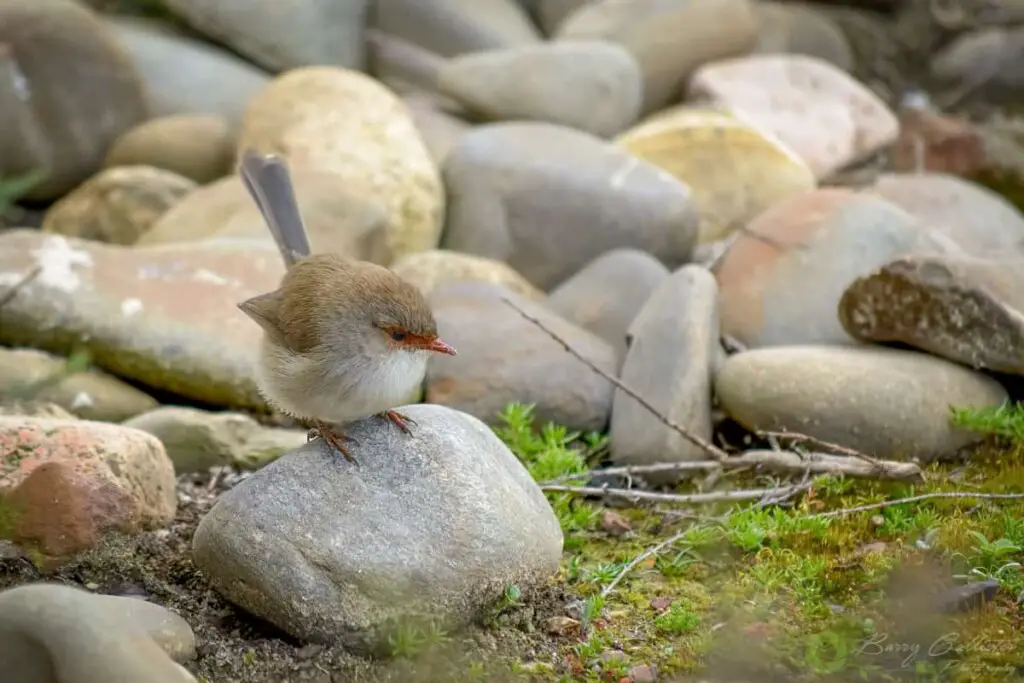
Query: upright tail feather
{"points": [[268, 181]]}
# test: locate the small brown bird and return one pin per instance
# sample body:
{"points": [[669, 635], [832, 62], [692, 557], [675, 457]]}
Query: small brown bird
{"points": [[342, 339]]}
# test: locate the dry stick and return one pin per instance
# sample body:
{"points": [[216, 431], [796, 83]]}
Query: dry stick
{"points": [[653, 550], [779, 461], [821, 443], [17, 286], [709, 448], [923, 496], [887, 469], [634, 496]]}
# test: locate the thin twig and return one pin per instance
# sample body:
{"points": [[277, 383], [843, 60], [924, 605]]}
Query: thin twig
{"points": [[923, 496], [820, 443], [628, 471], [778, 461], [653, 550], [709, 448], [635, 496], [12, 292]]}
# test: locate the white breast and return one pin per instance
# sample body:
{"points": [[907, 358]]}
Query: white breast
{"points": [[335, 392]]}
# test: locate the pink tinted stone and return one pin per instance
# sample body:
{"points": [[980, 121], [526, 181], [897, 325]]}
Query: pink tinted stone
{"points": [[813, 107]]}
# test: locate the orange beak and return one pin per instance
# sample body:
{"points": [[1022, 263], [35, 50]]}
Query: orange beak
{"points": [[439, 346]]}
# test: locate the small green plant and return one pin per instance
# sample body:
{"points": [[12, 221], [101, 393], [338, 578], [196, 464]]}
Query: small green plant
{"points": [[13, 188], [1006, 420], [410, 638], [548, 454], [590, 611], [602, 573], [677, 620]]}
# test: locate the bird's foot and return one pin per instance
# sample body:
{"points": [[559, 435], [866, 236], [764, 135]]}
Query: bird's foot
{"points": [[403, 421], [334, 437]]}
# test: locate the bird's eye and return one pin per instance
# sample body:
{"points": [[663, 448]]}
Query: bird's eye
{"points": [[398, 335]]}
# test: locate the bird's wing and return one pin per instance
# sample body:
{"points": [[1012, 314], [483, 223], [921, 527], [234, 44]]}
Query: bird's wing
{"points": [[269, 183]]}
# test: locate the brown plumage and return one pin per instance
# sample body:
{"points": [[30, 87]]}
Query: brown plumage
{"points": [[343, 339]]}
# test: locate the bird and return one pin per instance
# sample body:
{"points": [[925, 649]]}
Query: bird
{"points": [[342, 339]]}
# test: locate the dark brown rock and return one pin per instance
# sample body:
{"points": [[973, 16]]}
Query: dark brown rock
{"points": [[969, 310]]}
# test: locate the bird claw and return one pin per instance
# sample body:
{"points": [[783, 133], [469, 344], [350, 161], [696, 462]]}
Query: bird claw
{"points": [[401, 420], [334, 437]]}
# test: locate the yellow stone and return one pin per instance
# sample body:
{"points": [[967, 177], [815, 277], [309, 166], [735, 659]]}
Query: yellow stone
{"points": [[429, 269], [340, 121], [734, 169]]}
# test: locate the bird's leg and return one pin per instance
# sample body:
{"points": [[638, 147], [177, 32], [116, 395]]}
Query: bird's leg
{"points": [[403, 421], [334, 437]]}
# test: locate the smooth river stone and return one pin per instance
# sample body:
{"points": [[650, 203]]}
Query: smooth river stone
{"points": [[887, 403], [163, 316]]}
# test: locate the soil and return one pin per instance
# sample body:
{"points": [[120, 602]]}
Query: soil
{"points": [[234, 647]]}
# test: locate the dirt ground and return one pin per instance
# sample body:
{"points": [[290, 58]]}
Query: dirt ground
{"points": [[237, 648]]}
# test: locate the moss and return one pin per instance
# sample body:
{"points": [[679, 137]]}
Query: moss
{"points": [[779, 594]]}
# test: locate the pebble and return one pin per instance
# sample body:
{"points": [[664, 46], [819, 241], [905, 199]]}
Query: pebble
{"points": [[798, 28], [888, 403], [343, 122], [185, 76], [439, 128], [980, 221], [196, 146], [165, 317], [985, 62], [593, 86], [64, 129], [196, 440], [547, 199], [787, 291], [673, 343], [812, 106], [337, 219], [504, 357], [430, 269], [453, 28], [117, 205], [439, 523], [90, 394], [606, 294], [310, 32], [934, 142], [968, 310], [669, 39], [73, 480], [734, 169], [60, 634]]}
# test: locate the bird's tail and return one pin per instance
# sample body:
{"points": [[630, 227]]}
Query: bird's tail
{"points": [[268, 181]]}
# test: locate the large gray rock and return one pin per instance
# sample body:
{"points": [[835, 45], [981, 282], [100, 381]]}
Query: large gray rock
{"points": [[673, 349], [547, 199], [51, 633], [437, 523]]}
